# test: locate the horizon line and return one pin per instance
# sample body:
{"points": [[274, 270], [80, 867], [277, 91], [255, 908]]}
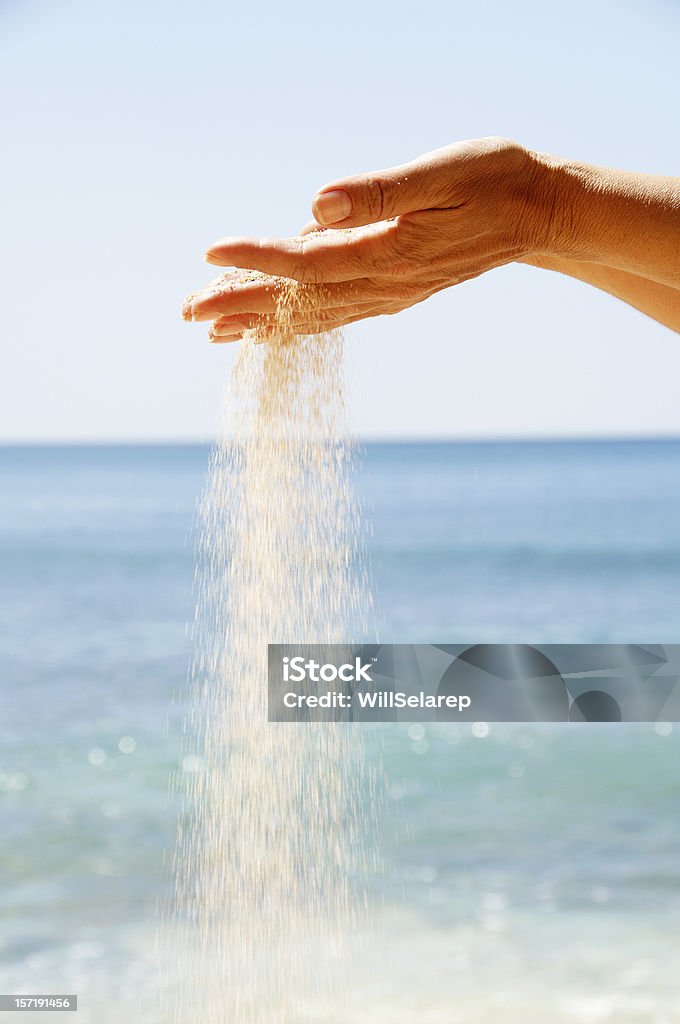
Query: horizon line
{"points": [[357, 438]]}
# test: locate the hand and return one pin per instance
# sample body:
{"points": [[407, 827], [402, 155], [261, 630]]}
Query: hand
{"points": [[382, 242]]}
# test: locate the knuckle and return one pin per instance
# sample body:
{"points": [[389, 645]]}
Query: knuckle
{"points": [[412, 228], [376, 197], [268, 246], [305, 270], [409, 226], [412, 243]]}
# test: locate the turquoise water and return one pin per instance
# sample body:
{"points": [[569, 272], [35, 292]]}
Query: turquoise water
{"points": [[528, 872]]}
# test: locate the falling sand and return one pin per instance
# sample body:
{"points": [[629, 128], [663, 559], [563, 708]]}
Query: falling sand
{"points": [[273, 840]]}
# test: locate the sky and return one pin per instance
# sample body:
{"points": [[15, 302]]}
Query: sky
{"points": [[136, 133]]}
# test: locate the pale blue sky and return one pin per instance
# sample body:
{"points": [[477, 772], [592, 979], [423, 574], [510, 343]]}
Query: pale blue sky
{"points": [[135, 133]]}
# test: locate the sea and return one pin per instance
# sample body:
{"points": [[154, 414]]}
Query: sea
{"points": [[526, 872]]}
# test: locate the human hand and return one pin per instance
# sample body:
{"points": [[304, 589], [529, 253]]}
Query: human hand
{"points": [[384, 241]]}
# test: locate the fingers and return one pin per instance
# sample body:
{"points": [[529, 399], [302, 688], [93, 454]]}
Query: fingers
{"points": [[225, 327], [241, 302], [230, 297], [317, 257], [219, 338], [304, 323], [427, 182]]}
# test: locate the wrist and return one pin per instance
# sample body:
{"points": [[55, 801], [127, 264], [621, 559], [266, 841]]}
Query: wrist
{"points": [[622, 219], [567, 220]]}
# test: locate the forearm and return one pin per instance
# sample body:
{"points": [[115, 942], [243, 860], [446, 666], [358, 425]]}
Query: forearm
{"points": [[396, 236], [626, 221], [659, 301]]}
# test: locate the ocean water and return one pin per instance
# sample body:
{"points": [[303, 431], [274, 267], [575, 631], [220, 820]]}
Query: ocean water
{"points": [[529, 873]]}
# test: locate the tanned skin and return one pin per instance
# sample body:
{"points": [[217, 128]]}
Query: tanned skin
{"points": [[382, 242]]}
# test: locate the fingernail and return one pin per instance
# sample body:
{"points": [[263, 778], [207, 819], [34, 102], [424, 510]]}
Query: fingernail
{"points": [[215, 253], [223, 341], [232, 328], [190, 311], [332, 207]]}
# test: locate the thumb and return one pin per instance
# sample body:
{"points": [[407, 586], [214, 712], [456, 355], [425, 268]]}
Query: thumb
{"points": [[421, 184]]}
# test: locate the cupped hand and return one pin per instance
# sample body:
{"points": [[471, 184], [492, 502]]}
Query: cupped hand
{"points": [[384, 241]]}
